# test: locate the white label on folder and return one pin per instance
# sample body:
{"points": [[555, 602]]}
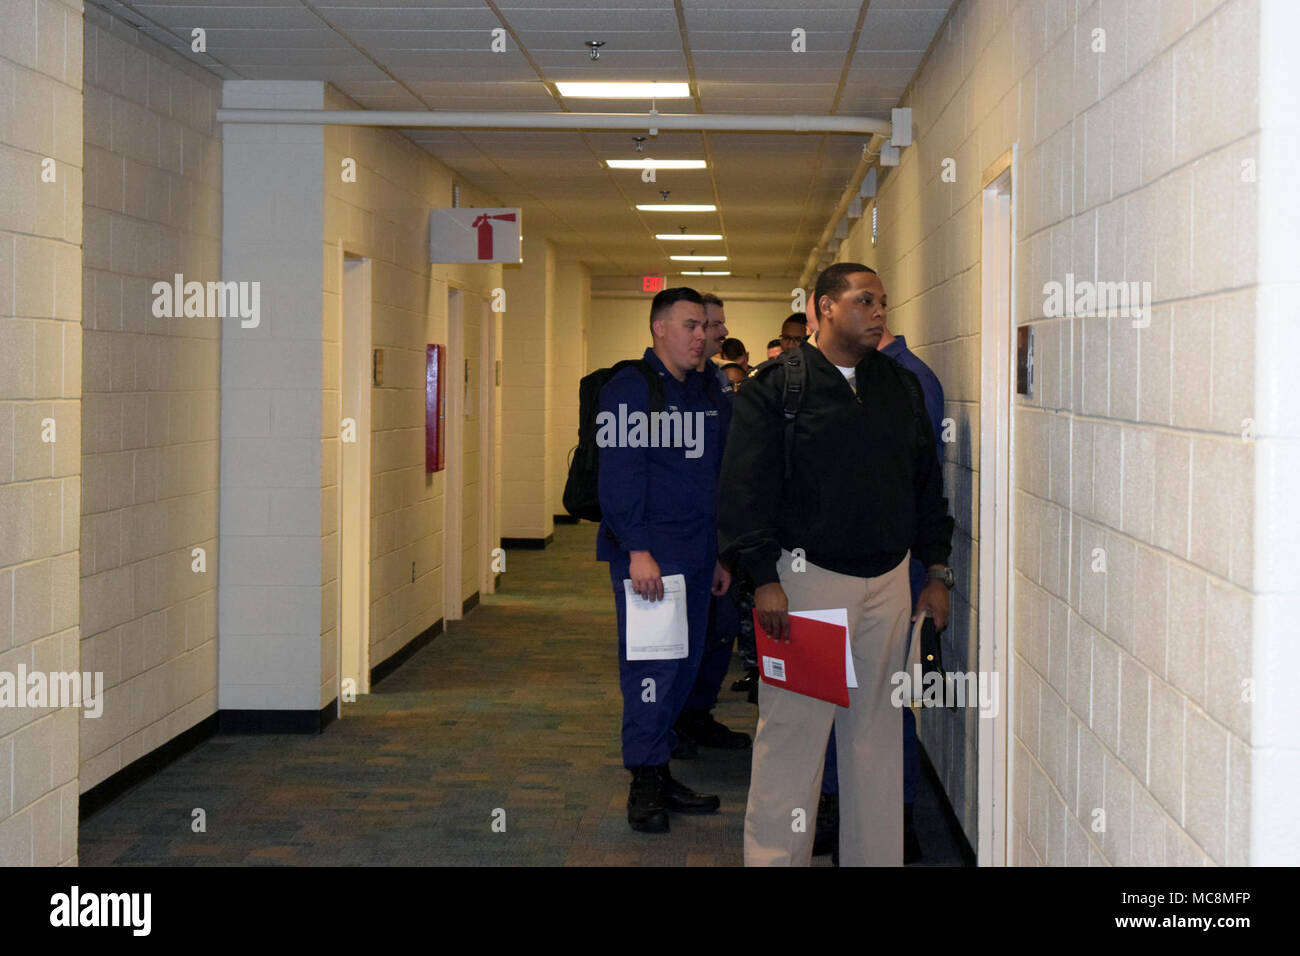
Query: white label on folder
{"points": [[774, 668]]}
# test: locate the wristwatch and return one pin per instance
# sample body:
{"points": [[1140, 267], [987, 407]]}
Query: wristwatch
{"points": [[942, 574]]}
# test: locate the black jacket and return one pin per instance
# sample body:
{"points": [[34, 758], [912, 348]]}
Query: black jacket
{"points": [[865, 486]]}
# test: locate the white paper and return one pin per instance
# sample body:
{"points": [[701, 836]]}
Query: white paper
{"points": [[657, 630], [838, 616]]}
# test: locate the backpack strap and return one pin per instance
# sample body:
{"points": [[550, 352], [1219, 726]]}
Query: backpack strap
{"points": [[918, 406], [796, 376], [652, 380]]}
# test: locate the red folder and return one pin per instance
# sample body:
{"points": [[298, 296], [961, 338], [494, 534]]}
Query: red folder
{"points": [[812, 661]]}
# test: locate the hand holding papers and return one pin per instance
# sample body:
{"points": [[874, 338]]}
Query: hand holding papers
{"points": [[817, 660], [657, 630]]}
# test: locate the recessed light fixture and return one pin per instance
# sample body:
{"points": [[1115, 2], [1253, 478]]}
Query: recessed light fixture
{"points": [[697, 272], [625, 90], [704, 237], [698, 258], [677, 207], [655, 163]]}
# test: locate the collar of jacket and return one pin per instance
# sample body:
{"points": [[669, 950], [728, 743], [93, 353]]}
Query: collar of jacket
{"points": [[662, 369]]}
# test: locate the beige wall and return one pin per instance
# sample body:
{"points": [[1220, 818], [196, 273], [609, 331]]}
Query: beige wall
{"points": [[569, 337], [150, 405], [1128, 696], [384, 216], [40, 378]]}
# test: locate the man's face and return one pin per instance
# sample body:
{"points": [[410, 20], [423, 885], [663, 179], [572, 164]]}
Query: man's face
{"points": [[793, 335], [736, 376], [715, 331], [774, 351], [857, 315], [680, 332]]}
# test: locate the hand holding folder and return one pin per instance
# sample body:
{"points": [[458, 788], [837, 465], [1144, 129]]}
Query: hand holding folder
{"points": [[816, 661]]}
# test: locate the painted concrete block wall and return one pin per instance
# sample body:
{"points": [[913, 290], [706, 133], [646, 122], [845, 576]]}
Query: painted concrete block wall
{"points": [[271, 568], [526, 393], [40, 379], [384, 216], [150, 403], [1128, 697]]}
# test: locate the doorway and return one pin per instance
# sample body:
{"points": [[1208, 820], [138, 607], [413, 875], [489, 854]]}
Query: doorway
{"points": [[354, 476], [997, 382]]}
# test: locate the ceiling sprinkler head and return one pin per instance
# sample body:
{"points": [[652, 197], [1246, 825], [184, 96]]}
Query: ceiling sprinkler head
{"points": [[664, 194], [682, 229], [640, 143], [594, 46]]}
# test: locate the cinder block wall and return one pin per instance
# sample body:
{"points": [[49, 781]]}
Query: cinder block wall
{"points": [[40, 379], [150, 408], [1128, 698], [384, 216], [569, 336]]}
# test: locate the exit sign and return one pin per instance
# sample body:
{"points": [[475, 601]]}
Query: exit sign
{"points": [[652, 283]]}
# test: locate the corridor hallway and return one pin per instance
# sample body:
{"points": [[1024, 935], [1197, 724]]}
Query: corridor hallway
{"points": [[516, 707]]}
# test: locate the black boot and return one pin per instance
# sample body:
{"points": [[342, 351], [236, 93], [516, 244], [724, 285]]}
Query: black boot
{"points": [[911, 845], [680, 798], [645, 806], [686, 748], [827, 836], [749, 680], [707, 732]]}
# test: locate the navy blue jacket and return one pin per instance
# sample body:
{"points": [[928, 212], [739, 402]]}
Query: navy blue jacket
{"points": [[659, 499], [931, 389]]}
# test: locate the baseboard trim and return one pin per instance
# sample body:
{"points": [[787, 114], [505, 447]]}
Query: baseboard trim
{"points": [[397, 659], [469, 603], [139, 770], [527, 544], [565, 519], [276, 721]]}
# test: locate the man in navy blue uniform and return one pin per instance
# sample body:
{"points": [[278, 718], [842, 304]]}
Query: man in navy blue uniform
{"points": [[659, 507]]}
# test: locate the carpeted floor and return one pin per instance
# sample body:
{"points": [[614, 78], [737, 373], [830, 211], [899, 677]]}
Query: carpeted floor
{"points": [[511, 717]]}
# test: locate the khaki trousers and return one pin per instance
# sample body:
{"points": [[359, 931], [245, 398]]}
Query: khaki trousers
{"points": [[790, 742]]}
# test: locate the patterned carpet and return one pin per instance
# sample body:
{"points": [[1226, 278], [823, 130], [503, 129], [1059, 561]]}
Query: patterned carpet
{"points": [[516, 709]]}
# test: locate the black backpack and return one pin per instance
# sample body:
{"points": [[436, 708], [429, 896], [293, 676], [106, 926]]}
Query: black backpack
{"points": [[581, 496]]}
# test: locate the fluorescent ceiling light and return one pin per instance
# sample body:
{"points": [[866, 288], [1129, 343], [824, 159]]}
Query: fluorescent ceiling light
{"points": [[698, 258], [625, 90], [655, 163], [701, 236], [697, 272], [677, 207]]}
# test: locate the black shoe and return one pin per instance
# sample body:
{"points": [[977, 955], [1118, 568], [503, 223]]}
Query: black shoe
{"points": [[686, 748], [707, 732], [753, 691], [911, 845], [827, 838], [646, 812], [748, 681], [680, 798]]}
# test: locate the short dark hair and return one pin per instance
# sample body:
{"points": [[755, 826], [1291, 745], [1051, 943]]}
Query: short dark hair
{"points": [[774, 344], [711, 299], [732, 349], [667, 298], [733, 365], [834, 280], [796, 317]]}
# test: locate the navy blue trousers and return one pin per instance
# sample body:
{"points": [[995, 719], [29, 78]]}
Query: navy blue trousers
{"points": [[654, 692], [724, 623], [911, 753]]}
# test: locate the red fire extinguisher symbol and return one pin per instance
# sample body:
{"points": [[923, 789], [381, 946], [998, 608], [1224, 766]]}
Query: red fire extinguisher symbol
{"points": [[484, 226]]}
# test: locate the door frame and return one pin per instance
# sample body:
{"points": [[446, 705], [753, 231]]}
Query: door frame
{"points": [[355, 349], [995, 764], [453, 485]]}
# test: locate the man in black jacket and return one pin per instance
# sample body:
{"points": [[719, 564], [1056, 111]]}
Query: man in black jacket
{"points": [[864, 491]]}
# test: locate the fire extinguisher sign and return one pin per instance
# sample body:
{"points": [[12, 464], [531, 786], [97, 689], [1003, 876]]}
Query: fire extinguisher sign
{"points": [[475, 235]]}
